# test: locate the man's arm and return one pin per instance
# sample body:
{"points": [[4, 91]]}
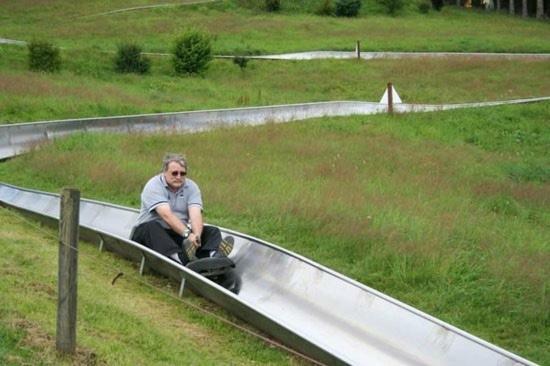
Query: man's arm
{"points": [[195, 216], [172, 220]]}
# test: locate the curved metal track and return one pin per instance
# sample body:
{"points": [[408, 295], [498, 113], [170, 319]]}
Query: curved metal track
{"points": [[19, 138], [317, 55], [369, 55], [322, 313]]}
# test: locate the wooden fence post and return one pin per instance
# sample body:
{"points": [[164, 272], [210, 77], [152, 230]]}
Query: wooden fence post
{"points": [[390, 98], [67, 275], [358, 49]]}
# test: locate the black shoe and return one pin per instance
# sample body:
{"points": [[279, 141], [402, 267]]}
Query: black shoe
{"points": [[189, 250], [225, 247], [183, 258]]}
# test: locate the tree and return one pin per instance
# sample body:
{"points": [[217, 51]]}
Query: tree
{"points": [[347, 8], [540, 9], [192, 53], [437, 4], [273, 5], [512, 7], [524, 8]]}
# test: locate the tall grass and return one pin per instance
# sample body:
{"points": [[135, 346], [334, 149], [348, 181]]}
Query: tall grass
{"points": [[410, 205], [88, 86], [446, 211]]}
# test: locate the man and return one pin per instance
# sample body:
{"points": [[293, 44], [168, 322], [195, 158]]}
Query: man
{"points": [[170, 220]]}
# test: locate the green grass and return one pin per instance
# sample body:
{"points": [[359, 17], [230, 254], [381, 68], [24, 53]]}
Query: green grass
{"points": [[137, 321], [236, 28], [411, 205], [446, 211], [87, 86]]}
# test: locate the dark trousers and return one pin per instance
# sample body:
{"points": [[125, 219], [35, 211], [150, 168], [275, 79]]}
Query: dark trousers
{"points": [[167, 241]]}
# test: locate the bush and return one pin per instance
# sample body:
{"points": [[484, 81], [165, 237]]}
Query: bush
{"points": [[192, 53], [272, 5], [44, 56], [347, 8], [437, 4], [130, 59], [424, 8], [241, 61], [392, 6], [326, 8]]}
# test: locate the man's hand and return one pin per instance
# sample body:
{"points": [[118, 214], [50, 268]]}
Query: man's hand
{"points": [[195, 240]]}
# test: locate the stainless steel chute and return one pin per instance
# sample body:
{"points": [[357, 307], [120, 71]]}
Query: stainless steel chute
{"points": [[320, 312], [18, 138], [309, 307]]}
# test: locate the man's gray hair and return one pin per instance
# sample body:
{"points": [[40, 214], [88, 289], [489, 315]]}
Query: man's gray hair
{"points": [[169, 158]]}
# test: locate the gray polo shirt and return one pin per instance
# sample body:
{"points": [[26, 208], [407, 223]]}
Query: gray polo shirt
{"points": [[156, 192]]}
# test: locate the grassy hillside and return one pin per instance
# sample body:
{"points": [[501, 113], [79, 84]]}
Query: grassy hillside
{"points": [[136, 321], [74, 25], [447, 211], [88, 86]]}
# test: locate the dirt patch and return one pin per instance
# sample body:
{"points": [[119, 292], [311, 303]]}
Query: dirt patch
{"points": [[527, 193], [527, 269], [44, 288], [29, 84], [10, 272], [38, 339]]}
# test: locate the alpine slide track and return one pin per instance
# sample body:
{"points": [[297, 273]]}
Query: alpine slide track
{"points": [[311, 308]]}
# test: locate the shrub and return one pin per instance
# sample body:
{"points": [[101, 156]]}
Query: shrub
{"points": [[326, 8], [437, 4], [273, 5], [241, 61], [130, 59], [424, 8], [392, 6], [347, 8], [192, 53], [44, 56]]}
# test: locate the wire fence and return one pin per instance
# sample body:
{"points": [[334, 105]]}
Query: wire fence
{"points": [[111, 269]]}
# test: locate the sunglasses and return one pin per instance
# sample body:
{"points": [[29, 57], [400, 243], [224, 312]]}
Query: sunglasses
{"points": [[175, 173]]}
